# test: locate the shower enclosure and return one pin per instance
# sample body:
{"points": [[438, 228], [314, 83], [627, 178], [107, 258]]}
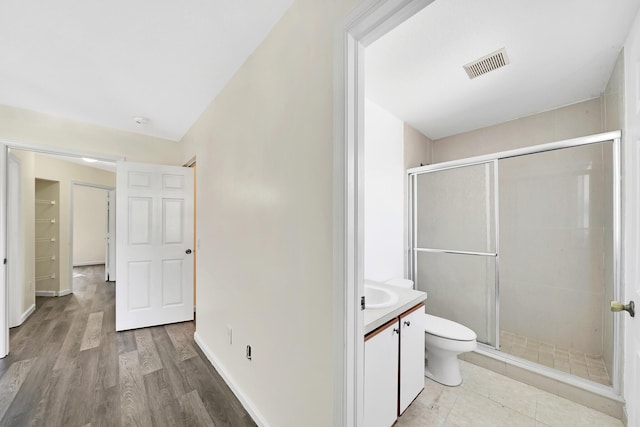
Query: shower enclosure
{"points": [[522, 247]]}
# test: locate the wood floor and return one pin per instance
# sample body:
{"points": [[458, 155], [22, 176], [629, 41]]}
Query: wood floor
{"points": [[68, 367]]}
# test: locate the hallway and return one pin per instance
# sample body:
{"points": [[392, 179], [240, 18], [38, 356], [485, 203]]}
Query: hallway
{"points": [[68, 367]]}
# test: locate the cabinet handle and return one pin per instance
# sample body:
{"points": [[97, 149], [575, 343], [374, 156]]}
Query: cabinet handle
{"points": [[407, 322], [396, 330]]}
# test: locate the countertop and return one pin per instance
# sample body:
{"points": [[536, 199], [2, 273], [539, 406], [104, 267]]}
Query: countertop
{"points": [[407, 298]]}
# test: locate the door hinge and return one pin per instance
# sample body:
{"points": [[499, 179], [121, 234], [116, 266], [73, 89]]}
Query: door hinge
{"points": [[5, 261], [362, 303]]}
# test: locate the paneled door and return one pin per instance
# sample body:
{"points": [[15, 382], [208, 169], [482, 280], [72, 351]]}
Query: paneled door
{"points": [[631, 224], [154, 238]]}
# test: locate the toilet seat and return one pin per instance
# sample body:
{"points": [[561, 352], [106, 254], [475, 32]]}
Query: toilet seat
{"points": [[447, 329]]}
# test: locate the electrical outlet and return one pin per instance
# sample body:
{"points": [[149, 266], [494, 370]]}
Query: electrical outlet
{"points": [[230, 334]]}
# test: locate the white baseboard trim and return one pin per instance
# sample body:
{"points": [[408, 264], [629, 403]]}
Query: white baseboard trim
{"points": [[53, 293], [87, 263], [248, 405], [46, 293], [28, 312]]}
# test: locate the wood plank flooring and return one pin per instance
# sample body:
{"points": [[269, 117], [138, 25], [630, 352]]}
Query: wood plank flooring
{"points": [[68, 367]]}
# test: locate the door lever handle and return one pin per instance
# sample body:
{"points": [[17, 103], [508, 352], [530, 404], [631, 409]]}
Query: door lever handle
{"points": [[629, 308]]}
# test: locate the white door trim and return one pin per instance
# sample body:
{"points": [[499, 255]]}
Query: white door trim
{"points": [[14, 238], [365, 24], [4, 290], [73, 184], [631, 225], [5, 144]]}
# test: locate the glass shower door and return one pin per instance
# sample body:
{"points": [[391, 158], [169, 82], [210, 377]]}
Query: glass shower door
{"points": [[454, 245], [556, 259]]}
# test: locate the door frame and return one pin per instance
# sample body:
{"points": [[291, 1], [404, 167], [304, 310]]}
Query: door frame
{"points": [[5, 145], [366, 23], [15, 287], [73, 184], [110, 262], [362, 26]]}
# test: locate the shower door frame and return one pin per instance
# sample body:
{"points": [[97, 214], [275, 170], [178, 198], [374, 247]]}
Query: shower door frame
{"points": [[412, 255], [412, 251]]}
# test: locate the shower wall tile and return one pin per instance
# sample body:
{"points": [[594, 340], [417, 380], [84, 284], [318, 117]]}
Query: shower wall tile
{"points": [[580, 119], [586, 119]]}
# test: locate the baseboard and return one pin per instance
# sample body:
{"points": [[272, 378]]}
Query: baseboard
{"points": [[88, 263], [53, 293], [28, 312], [46, 293], [248, 405]]}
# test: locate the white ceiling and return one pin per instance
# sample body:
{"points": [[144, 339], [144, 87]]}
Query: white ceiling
{"points": [[105, 62], [561, 52]]}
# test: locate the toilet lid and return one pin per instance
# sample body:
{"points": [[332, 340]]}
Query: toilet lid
{"points": [[448, 329]]}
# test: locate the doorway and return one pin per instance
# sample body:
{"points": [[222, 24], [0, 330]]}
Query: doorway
{"points": [[27, 154], [93, 227], [363, 26]]}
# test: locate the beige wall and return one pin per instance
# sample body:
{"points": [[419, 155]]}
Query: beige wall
{"points": [[65, 172], [89, 225], [584, 118], [613, 98], [28, 227], [41, 129], [264, 151], [417, 148]]}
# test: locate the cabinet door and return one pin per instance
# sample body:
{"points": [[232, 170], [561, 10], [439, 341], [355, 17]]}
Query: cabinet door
{"points": [[381, 376], [411, 356]]}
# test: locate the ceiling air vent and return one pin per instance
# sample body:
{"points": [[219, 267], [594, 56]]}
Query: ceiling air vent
{"points": [[487, 63]]}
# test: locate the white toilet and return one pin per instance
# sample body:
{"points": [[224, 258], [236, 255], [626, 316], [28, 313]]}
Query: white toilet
{"points": [[444, 340]]}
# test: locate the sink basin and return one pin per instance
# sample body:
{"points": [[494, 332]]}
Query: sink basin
{"points": [[378, 297]]}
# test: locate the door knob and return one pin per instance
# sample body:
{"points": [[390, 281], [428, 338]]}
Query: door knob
{"points": [[188, 251], [629, 308]]}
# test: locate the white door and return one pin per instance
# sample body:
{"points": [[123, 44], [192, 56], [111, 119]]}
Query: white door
{"points": [[110, 238], [631, 238], [14, 241], [154, 228]]}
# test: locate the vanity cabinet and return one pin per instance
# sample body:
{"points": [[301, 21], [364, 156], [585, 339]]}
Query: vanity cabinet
{"points": [[381, 375], [393, 367], [411, 356]]}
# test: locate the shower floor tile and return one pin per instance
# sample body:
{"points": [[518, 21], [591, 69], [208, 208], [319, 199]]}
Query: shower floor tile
{"points": [[590, 367]]}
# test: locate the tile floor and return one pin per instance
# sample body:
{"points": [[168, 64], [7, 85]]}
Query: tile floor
{"points": [[587, 366], [493, 400]]}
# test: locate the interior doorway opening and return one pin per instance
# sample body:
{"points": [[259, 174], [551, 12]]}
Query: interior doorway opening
{"points": [[19, 238]]}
